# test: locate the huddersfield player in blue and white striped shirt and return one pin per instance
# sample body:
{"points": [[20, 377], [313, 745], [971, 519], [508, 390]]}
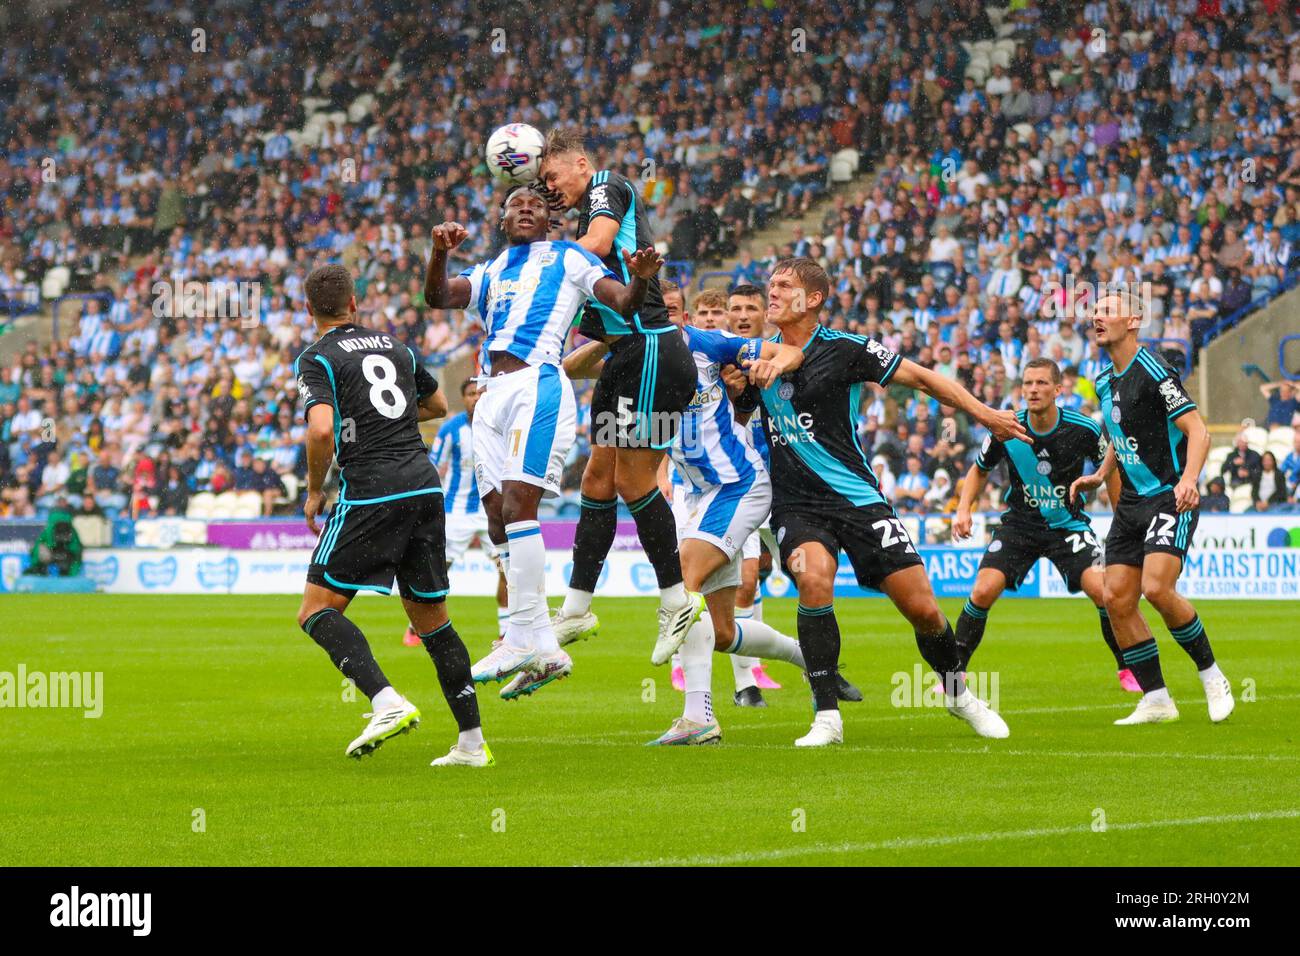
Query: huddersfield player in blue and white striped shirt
{"points": [[525, 420]]}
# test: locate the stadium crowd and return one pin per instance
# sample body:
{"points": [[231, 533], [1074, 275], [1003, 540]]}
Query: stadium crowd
{"points": [[1006, 163]]}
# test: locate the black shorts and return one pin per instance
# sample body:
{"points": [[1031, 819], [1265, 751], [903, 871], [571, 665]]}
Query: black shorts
{"points": [[871, 535], [642, 392], [1143, 526], [1017, 545], [363, 547]]}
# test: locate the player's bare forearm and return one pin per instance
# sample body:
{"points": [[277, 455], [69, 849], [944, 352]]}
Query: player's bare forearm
{"points": [[971, 489], [432, 406], [586, 361], [1192, 425], [1003, 424], [786, 357], [441, 292], [623, 299], [320, 446]]}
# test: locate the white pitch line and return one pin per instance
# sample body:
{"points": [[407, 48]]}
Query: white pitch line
{"points": [[607, 739], [909, 843]]}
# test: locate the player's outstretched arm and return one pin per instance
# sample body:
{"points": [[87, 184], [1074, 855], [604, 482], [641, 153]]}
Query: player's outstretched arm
{"points": [[440, 291], [971, 489], [773, 362], [1191, 424], [320, 452], [1092, 482], [627, 299], [585, 361], [1003, 424]]}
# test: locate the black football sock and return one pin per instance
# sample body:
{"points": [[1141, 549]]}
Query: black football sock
{"points": [[452, 662], [1191, 637], [657, 530], [592, 540], [819, 641], [940, 651], [347, 648], [1143, 659], [970, 630], [1108, 635]]}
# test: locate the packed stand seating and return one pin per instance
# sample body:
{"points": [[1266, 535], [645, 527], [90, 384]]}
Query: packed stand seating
{"points": [[1003, 150]]}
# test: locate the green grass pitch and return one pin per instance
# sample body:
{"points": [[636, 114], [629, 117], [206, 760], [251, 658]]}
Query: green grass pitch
{"points": [[222, 737]]}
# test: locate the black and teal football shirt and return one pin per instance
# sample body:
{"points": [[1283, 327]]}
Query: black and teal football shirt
{"points": [[1140, 405], [810, 417], [1040, 474]]}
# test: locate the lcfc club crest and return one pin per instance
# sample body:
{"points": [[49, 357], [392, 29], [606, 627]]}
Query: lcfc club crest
{"points": [[1044, 467], [1114, 414], [785, 391]]}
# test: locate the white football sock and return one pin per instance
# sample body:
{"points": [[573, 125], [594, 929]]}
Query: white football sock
{"points": [[697, 663], [526, 582], [576, 603], [758, 607], [471, 740], [386, 699], [742, 666], [833, 716], [742, 669], [762, 640], [1210, 673], [1160, 696], [674, 596]]}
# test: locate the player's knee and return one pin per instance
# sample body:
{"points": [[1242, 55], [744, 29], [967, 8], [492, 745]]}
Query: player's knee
{"points": [[816, 590], [925, 616], [984, 594], [633, 486], [1118, 601], [1157, 590]]}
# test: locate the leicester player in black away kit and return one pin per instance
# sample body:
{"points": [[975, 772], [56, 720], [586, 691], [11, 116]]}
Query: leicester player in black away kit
{"points": [[643, 390], [1040, 521], [826, 497], [364, 395], [1159, 442]]}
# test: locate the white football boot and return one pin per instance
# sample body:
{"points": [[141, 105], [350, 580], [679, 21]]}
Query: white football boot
{"points": [[577, 628], [827, 729], [466, 758], [983, 719], [1150, 711], [384, 724], [687, 733], [1218, 695], [673, 624], [538, 674], [503, 661]]}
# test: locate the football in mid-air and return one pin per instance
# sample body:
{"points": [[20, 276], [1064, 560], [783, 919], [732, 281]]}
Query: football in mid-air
{"points": [[514, 154]]}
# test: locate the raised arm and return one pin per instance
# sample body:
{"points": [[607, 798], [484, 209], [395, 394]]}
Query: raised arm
{"points": [[1003, 424], [773, 361], [627, 299], [440, 291]]}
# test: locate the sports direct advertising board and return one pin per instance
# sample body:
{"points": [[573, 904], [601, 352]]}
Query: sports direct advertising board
{"points": [[1248, 556]]}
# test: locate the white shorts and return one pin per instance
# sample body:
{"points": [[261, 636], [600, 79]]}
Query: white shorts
{"points": [[524, 425], [461, 529], [753, 549], [725, 516]]}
